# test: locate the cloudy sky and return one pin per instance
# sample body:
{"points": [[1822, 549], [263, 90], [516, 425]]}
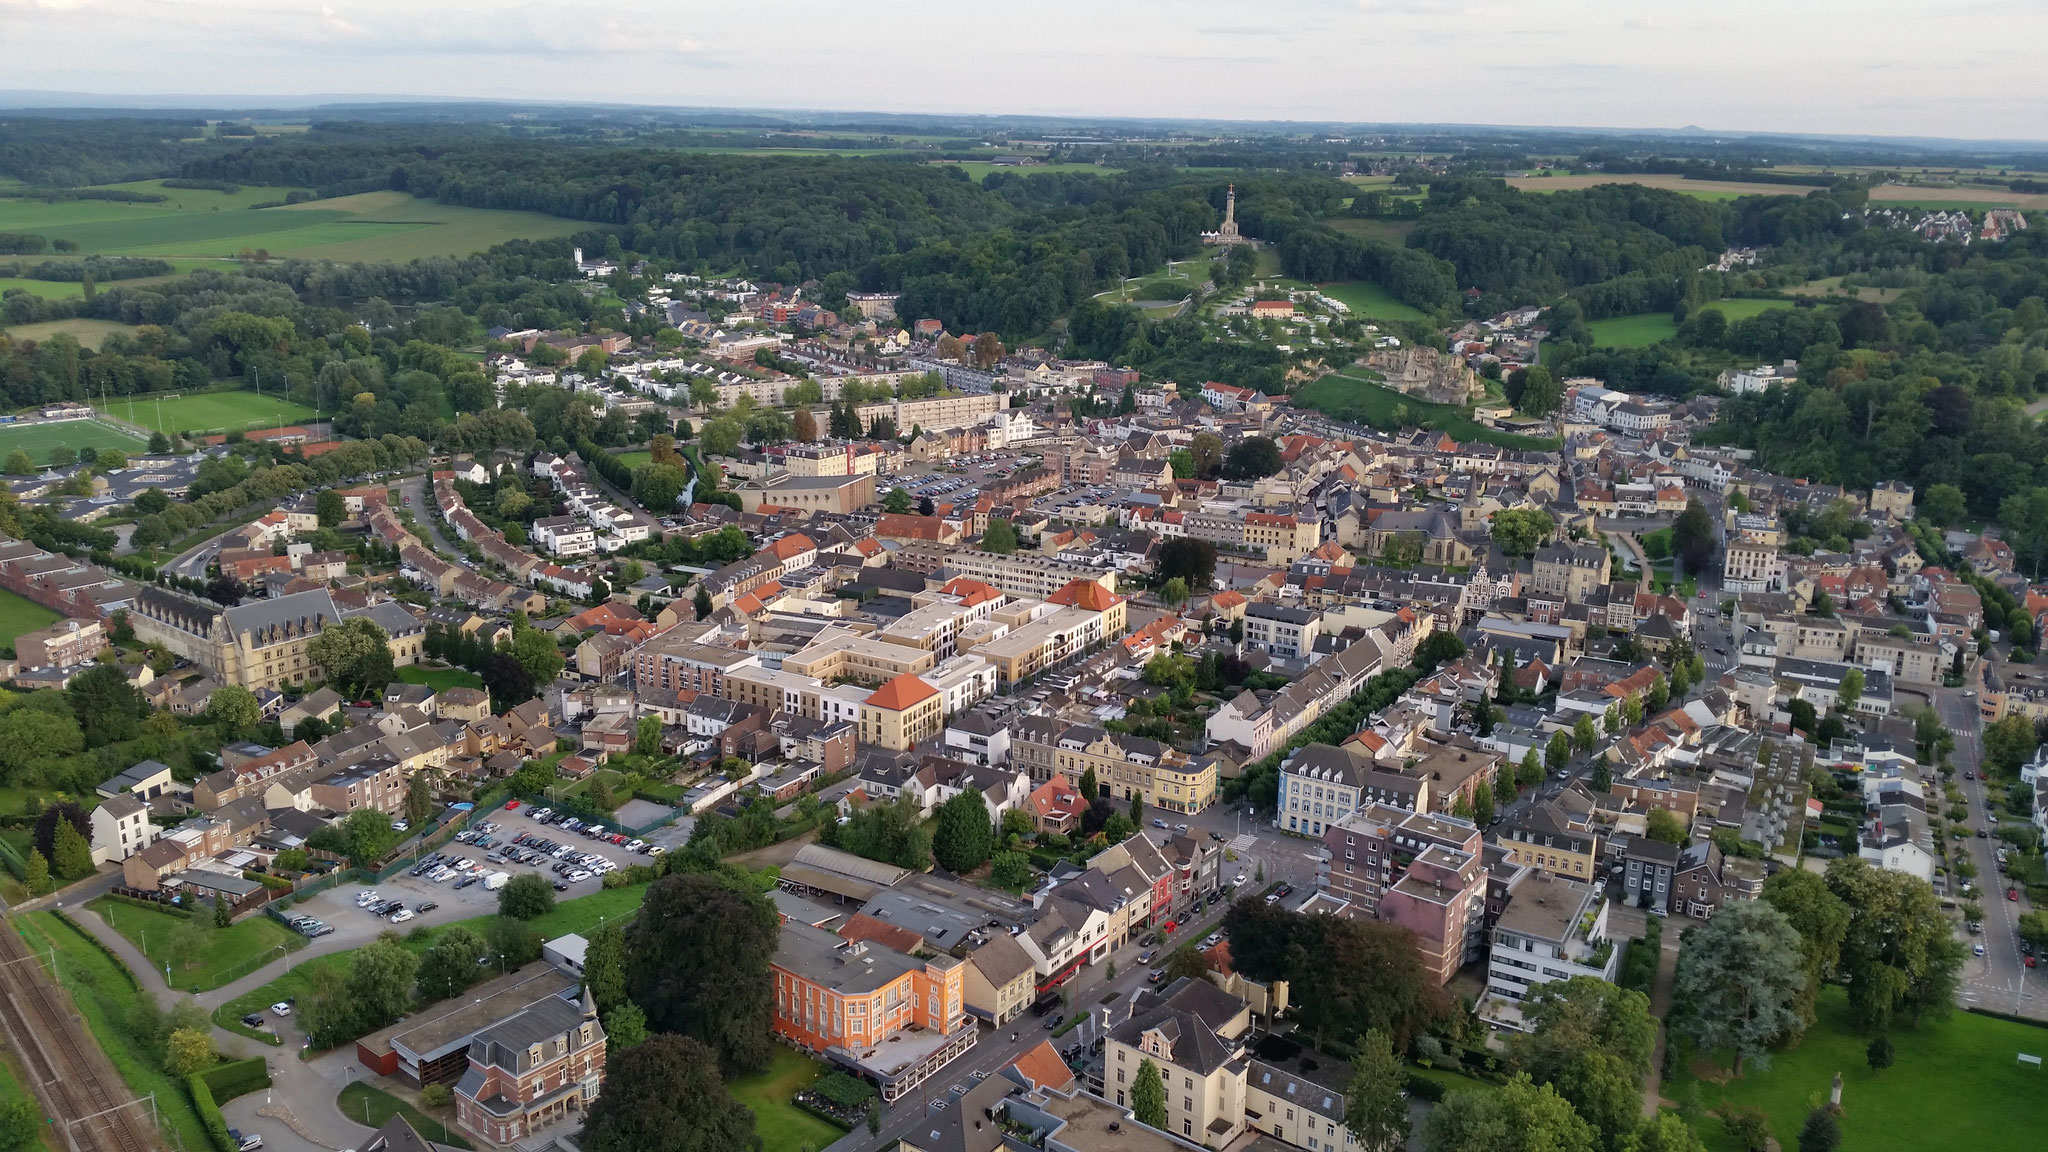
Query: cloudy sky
{"points": [[1954, 68]]}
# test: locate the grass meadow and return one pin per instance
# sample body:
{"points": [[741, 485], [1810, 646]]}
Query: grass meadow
{"points": [[1361, 399], [209, 412], [19, 614], [1647, 328], [88, 333], [1369, 301]]}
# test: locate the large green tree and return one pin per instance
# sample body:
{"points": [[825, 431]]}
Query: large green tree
{"points": [[1253, 458], [355, 654], [964, 836], [452, 964], [1347, 976], [234, 711], [1376, 1102], [1692, 538], [999, 537], [1899, 956], [1740, 976], [697, 963], [604, 966], [527, 896], [1148, 1095], [1517, 1117], [108, 708], [1519, 531], [665, 1095], [1822, 921]]}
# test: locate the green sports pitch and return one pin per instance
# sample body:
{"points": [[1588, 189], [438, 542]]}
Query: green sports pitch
{"points": [[39, 438], [208, 412]]}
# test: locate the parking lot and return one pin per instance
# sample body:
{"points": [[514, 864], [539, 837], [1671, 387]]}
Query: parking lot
{"points": [[455, 899]]}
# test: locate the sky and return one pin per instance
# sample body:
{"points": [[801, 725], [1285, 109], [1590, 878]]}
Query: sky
{"points": [[1949, 68]]}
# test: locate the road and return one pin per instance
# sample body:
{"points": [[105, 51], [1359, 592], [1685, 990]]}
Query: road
{"points": [[414, 488], [1997, 979]]}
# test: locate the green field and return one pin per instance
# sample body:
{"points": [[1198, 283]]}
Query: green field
{"points": [[1343, 396], [1647, 328], [209, 411], [373, 1108], [19, 614], [440, 679], [194, 223], [88, 333], [47, 289], [777, 1122], [978, 170], [635, 459], [1369, 301], [37, 439], [224, 954], [103, 988], [1956, 1083], [1394, 230]]}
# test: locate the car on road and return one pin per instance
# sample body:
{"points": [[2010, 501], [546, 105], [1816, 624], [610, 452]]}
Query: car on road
{"points": [[1217, 837], [1983, 834], [1055, 1020], [1155, 976], [244, 1142], [253, 1020], [1969, 775], [1159, 823], [403, 915], [1979, 949], [426, 906], [2012, 894], [281, 1008]]}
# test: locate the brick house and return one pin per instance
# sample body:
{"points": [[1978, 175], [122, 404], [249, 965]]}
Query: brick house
{"points": [[531, 1070]]}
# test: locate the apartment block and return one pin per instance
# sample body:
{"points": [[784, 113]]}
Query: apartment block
{"points": [[1124, 766], [891, 1017]]}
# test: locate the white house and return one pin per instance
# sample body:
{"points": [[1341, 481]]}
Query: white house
{"points": [[1552, 929], [120, 829]]}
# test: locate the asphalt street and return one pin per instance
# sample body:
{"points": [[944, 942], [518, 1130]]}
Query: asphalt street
{"points": [[1998, 979]]}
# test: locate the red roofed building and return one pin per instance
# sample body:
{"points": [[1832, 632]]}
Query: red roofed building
{"points": [[1056, 806], [901, 713]]}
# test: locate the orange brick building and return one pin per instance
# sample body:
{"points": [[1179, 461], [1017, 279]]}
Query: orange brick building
{"points": [[894, 1018]]}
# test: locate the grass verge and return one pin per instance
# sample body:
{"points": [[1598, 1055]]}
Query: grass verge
{"points": [[222, 954], [374, 1107], [777, 1122]]}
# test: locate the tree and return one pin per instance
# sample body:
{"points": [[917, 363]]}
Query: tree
{"points": [[331, 508], [1530, 774], [508, 680], [1942, 505], [1692, 538], [1584, 1014], [1851, 690], [1188, 559], [234, 711], [1740, 974], [108, 708], [1559, 751], [697, 963], [455, 962], [1090, 787], [223, 916], [1602, 1091], [1351, 976], [925, 507], [1611, 720], [1664, 1132], [1482, 806], [2009, 742], [1584, 735], [658, 486], [527, 896], [355, 654], [190, 1052], [999, 537], [536, 652], [183, 942], [513, 943], [1437, 649], [1880, 1053], [1186, 960], [1174, 592], [1821, 1132], [37, 874], [1898, 956], [1659, 694], [625, 1027], [419, 797], [1665, 827], [20, 463], [897, 501], [804, 426], [1541, 394], [73, 853], [963, 836], [435, 1097], [1207, 450], [1148, 1095], [1253, 458], [701, 603], [1375, 1104], [666, 1095], [1822, 921], [1519, 531], [604, 966], [1010, 870], [225, 590], [1517, 1117]]}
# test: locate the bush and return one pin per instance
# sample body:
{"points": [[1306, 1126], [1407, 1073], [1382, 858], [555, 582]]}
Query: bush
{"points": [[1421, 1087], [435, 1096], [236, 1078], [845, 1091], [209, 1114]]}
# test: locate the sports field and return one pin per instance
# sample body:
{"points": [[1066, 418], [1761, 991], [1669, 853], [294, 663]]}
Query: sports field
{"points": [[37, 439], [19, 614], [197, 223], [210, 412], [1647, 328], [1369, 301]]}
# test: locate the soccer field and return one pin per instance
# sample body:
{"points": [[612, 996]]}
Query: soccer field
{"points": [[37, 439], [209, 412]]}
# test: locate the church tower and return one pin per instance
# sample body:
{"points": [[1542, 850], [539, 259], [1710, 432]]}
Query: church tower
{"points": [[1228, 233]]}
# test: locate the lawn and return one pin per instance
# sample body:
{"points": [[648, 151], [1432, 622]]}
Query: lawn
{"points": [[47, 289], [777, 1122], [634, 459], [1647, 328], [103, 988], [1957, 1083], [440, 679], [210, 411], [88, 333], [1343, 396], [39, 438], [225, 955], [1369, 301], [198, 223], [1393, 230], [19, 614], [373, 1107]]}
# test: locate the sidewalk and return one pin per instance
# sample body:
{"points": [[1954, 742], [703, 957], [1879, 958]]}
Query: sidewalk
{"points": [[308, 1087], [1660, 1008]]}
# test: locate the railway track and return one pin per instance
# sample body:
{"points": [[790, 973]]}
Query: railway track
{"points": [[67, 1070]]}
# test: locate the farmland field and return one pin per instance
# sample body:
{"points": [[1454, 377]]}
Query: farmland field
{"points": [[1704, 189], [978, 170], [19, 614], [1391, 229], [88, 333], [37, 439], [198, 223], [209, 412], [1369, 301], [1647, 328]]}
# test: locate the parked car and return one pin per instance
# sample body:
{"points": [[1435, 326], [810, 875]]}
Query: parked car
{"points": [[402, 915], [253, 1020], [1155, 976], [428, 906], [2012, 893], [281, 1008]]}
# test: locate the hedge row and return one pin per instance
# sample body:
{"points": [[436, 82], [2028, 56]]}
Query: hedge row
{"points": [[153, 905], [209, 1113], [237, 1078]]}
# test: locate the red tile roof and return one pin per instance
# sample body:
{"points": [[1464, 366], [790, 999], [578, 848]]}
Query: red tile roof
{"points": [[902, 692]]}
